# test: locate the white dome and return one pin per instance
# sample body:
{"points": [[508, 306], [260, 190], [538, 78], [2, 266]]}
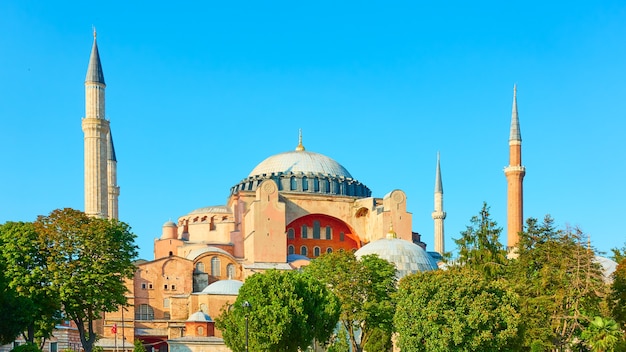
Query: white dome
{"points": [[408, 257], [199, 316], [300, 161], [223, 287]]}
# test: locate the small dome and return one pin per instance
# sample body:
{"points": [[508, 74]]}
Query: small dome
{"points": [[300, 161], [608, 267], [199, 316], [223, 287], [408, 257], [169, 224]]}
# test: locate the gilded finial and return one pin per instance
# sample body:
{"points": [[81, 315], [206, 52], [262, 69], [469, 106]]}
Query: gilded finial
{"points": [[391, 234], [300, 147]]}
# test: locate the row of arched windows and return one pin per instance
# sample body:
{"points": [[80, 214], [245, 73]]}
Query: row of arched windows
{"points": [[305, 251], [316, 232], [216, 269]]}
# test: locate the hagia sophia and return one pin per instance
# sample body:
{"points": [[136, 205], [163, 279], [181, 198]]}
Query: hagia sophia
{"points": [[291, 208]]}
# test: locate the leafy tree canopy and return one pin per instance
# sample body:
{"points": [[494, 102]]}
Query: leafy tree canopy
{"points": [[88, 260], [456, 310], [285, 312], [365, 289]]}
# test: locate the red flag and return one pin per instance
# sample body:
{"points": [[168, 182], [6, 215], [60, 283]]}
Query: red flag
{"points": [[114, 329]]}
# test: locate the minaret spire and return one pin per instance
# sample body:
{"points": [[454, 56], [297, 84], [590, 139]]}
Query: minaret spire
{"points": [[439, 215], [300, 147], [515, 177], [113, 188], [96, 130]]}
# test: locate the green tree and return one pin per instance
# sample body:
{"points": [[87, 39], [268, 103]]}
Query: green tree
{"points": [[12, 322], [617, 302], [285, 311], [560, 284], [28, 276], [619, 254], [456, 310], [480, 248], [339, 343], [138, 346], [602, 334], [88, 260], [365, 289]]}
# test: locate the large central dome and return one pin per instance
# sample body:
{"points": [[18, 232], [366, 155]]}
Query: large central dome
{"points": [[304, 172], [300, 161]]}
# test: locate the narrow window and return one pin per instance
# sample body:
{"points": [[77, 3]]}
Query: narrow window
{"points": [[54, 347], [166, 303], [230, 271], [291, 249], [173, 287], [316, 184], [329, 250], [305, 183], [316, 230], [329, 232], [326, 186], [316, 251], [215, 266], [143, 286], [291, 234], [304, 231], [341, 236], [294, 183], [303, 250], [165, 287]]}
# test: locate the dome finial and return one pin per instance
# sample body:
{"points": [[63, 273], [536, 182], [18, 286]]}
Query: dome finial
{"points": [[391, 234], [300, 147]]}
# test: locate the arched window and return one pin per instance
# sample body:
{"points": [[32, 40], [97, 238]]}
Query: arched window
{"points": [[316, 251], [305, 183], [316, 184], [291, 234], [304, 231], [341, 236], [316, 230], [329, 232], [230, 271], [200, 331], [303, 251], [215, 266], [144, 312], [329, 250], [200, 267], [294, 183], [291, 249], [326, 186]]}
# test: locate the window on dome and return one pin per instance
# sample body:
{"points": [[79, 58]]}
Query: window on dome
{"points": [[305, 183], [215, 266], [144, 312], [303, 251], [291, 249], [316, 184], [329, 232], [327, 186], [291, 234], [316, 230], [230, 271], [294, 183], [304, 231], [316, 251]]}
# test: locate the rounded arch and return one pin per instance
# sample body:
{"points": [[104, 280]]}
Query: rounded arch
{"points": [[322, 231]]}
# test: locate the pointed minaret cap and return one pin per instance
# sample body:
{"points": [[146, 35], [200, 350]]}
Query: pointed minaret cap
{"points": [[111, 148], [391, 234], [300, 147], [94, 71], [515, 130], [438, 183]]}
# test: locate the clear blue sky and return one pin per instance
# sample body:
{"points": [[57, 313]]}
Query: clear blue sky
{"points": [[198, 93]]}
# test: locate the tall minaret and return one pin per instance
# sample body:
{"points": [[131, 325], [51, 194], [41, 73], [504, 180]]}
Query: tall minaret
{"points": [[439, 215], [96, 129], [114, 189], [515, 176]]}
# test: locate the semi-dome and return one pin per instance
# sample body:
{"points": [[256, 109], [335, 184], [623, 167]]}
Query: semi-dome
{"points": [[223, 287], [306, 172], [408, 257]]}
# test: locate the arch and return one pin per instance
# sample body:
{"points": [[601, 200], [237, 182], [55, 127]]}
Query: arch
{"points": [[316, 251], [303, 251], [291, 249], [329, 250]]}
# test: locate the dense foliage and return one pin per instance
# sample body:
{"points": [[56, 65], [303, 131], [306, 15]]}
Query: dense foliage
{"points": [[87, 260], [365, 289], [456, 310], [285, 312]]}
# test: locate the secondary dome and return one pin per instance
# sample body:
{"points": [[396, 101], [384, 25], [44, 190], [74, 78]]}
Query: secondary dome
{"points": [[408, 257], [300, 161], [223, 287]]}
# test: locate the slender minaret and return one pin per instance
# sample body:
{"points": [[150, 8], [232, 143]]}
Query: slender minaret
{"points": [[515, 176], [95, 128], [114, 189], [439, 215]]}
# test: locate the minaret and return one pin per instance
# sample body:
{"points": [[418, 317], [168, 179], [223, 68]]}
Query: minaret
{"points": [[95, 128], [114, 189], [515, 176], [439, 215]]}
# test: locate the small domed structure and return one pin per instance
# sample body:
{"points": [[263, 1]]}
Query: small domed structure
{"points": [[408, 257], [199, 316], [223, 287], [169, 231]]}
